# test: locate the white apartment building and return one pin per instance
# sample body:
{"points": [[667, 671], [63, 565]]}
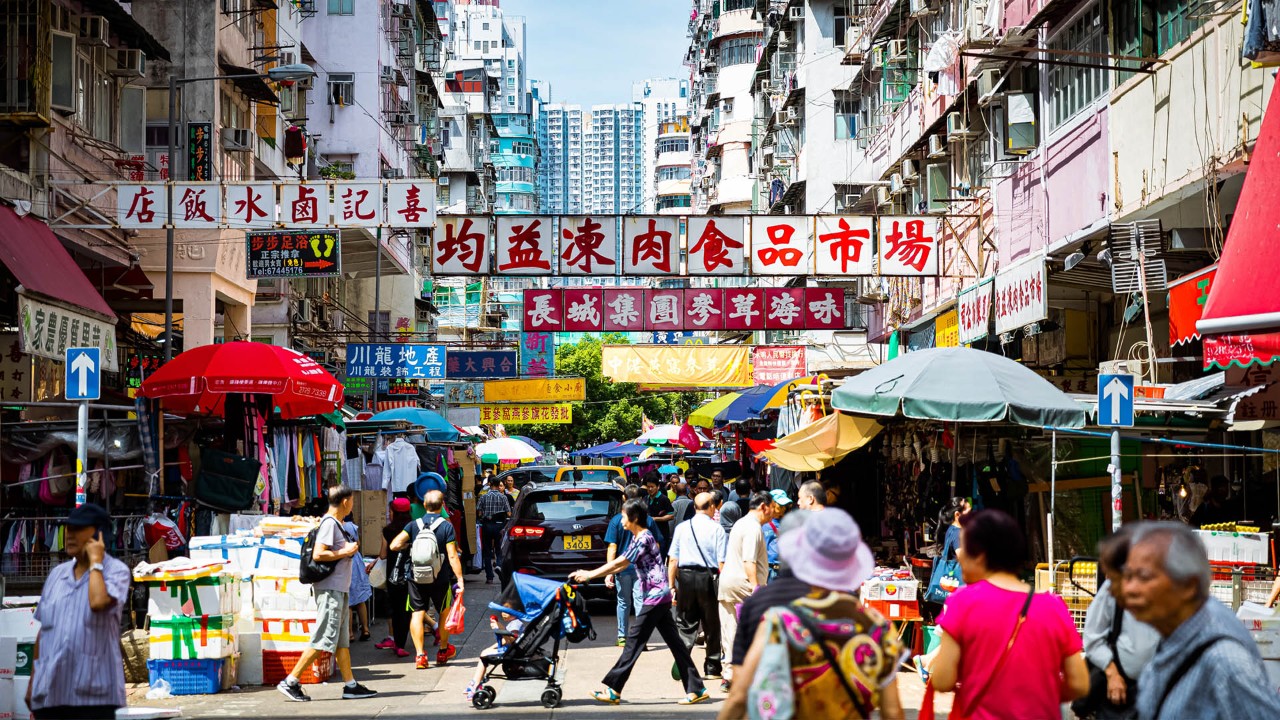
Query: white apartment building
{"points": [[561, 159], [671, 160], [614, 161], [664, 100]]}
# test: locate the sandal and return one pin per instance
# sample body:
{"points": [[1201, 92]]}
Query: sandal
{"points": [[607, 696], [692, 699], [365, 636]]}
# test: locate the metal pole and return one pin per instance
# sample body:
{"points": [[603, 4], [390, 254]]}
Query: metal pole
{"points": [[1053, 493], [82, 450], [376, 325], [168, 231], [1117, 500]]}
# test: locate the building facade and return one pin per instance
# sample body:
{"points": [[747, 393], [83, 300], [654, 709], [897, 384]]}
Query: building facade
{"points": [[562, 159], [613, 160], [664, 100]]}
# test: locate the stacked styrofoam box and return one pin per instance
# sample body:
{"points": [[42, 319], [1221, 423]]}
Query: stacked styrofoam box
{"points": [[192, 606], [1237, 548], [18, 629], [1263, 624]]}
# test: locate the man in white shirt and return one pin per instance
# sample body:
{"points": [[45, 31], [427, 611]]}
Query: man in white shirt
{"points": [[696, 557], [746, 567]]}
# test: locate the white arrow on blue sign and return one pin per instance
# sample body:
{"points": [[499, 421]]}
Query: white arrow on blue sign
{"points": [[83, 373], [1115, 400]]}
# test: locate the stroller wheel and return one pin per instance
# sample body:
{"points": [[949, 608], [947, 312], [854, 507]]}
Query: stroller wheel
{"points": [[484, 697], [551, 697]]}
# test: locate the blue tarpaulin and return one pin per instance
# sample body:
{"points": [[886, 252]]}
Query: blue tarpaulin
{"points": [[596, 450], [623, 450]]}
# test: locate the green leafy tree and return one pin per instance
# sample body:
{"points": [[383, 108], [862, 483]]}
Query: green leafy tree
{"points": [[611, 411]]}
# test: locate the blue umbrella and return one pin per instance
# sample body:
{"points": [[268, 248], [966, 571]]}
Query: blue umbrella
{"points": [[742, 409], [437, 428]]}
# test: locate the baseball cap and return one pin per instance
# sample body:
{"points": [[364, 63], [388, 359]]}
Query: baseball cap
{"points": [[88, 515], [780, 497]]}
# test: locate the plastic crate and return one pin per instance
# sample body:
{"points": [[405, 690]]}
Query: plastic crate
{"points": [[188, 677], [277, 664]]}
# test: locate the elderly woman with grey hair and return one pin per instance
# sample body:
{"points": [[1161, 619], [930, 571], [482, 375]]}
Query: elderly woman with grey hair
{"points": [[1207, 666]]}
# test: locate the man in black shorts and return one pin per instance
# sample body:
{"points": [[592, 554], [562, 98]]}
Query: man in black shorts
{"points": [[435, 593]]}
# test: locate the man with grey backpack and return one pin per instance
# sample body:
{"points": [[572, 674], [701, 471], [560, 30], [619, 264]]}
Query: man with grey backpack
{"points": [[429, 540]]}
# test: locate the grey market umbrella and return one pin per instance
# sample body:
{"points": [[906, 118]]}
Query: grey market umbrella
{"points": [[958, 385]]}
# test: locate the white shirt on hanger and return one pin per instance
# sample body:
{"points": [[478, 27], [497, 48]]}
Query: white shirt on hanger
{"points": [[401, 469]]}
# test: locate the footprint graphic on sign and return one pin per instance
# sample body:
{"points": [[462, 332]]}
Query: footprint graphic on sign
{"points": [[328, 246], [315, 246]]}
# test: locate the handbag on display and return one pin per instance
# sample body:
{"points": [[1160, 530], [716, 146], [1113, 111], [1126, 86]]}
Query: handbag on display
{"points": [[227, 482]]}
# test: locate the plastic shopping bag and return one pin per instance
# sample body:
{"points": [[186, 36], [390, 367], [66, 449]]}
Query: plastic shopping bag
{"points": [[455, 621], [378, 574]]}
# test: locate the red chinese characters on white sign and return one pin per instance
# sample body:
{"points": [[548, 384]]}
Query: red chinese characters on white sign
{"points": [[588, 245], [781, 245], [717, 245], [197, 205], [624, 309], [651, 245], [251, 205], [973, 312], [305, 205], [141, 206], [583, 309], [411, 204], [357, 204], [543, 311], [1020, 295], [845, 245], [525, 245], [909, 246], [460, 246]]}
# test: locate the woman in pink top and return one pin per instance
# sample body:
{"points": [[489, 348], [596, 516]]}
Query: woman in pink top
{"points": [[993, 679]]}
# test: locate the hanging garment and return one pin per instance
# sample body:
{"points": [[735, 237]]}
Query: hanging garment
{"points": [[403, 466]]}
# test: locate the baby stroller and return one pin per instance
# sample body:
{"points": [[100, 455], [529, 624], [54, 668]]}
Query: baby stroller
{"points": [[552, 611]]}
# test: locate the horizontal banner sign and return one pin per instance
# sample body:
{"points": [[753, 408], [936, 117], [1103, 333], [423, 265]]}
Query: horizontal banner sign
{"points": [[773, 364], [464, 393], [47, 330], [396, 360], [681, 365], [610, 245], [535, 390], [554, 414], [476, 364], [268, 205], [289, 254], [661, 310], [1021, 295]]}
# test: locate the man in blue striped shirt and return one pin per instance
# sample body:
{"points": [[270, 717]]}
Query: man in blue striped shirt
{"points": [[78, 670]]}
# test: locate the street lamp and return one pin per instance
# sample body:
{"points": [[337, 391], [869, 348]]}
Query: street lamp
{"points": [[282, 73]]}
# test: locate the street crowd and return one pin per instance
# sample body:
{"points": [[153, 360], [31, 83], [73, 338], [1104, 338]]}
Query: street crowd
{"points": [[768, 584]]}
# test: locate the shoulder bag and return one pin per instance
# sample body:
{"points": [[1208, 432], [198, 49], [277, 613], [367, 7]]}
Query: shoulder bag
{"points": [[1089, 705], [926, 710]]}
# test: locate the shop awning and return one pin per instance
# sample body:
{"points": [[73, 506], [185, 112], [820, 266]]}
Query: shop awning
{"points": [[43, 267], [1187, 297], [250, 82], [740, 410], [1241, 322], [705, 416], [822, 443]]}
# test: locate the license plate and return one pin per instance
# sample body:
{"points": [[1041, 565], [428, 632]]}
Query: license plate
{"points": [[577, 542]]}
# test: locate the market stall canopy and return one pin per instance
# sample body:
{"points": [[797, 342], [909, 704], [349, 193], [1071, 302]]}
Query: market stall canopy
{"points": [[198, 380], [1241, 320], [506, 450], [960, 385], [775, 396], [740, 409], [665, 435], [822, 443], [624, 450], [596, 450], [435, 427], [705, 416]]}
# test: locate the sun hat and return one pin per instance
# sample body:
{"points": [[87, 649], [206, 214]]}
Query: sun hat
{"points": [[828, 552], [780, 497]]}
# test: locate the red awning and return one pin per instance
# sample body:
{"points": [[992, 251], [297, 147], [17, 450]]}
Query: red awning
{"points": [[43, 267], [1187, 296], [1244, 305]]}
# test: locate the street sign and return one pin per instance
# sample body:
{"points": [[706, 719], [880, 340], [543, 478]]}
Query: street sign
{"points": [[396, 360], [1115, 400], [293, 253], [83, 373]]}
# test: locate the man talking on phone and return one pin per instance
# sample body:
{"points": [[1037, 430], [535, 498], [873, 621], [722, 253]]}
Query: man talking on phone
{"points": [[78, 671]]}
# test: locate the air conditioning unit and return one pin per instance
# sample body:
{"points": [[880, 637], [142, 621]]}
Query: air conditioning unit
{"points": [[957, 129], [883, 198], [389, 75], [796, 12], [937, 146], [237, 139], [977, 16], [1120, 367], [896, 186], [424, 316], [443, 181], [402, 118], [392, 173], [850, 200], [302, 311], [791, 115], [704, 183], [987, 81], [920, 8], [909, 174], [129, 63], [784, 38], [877, 57], [94, 30], [897, 51], [400, 9]]}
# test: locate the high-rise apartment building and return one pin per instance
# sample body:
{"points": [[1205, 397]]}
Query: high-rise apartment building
{"points": [[613, 159], [671, 171], [665, 100], [562, 159]]}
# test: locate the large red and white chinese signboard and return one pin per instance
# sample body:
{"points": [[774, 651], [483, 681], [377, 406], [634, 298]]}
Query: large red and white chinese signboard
{"points": [[661, 310]]}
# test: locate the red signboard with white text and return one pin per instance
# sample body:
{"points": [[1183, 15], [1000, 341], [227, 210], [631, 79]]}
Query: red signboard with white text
{"points": [[773, 364]]}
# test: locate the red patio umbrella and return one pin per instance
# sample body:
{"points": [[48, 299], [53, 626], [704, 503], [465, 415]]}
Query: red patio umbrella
{"points": [[198, 380]]}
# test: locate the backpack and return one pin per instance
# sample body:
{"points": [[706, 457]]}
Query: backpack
{"points": [[425, 553], [310, 570]]}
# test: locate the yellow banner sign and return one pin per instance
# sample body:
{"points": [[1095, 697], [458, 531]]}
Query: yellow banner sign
{"points": [[557, 414], [535, 390], [682, 365], [946, 330]]}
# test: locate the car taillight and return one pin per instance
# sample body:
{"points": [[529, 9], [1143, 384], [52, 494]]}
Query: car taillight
{"points": [[526, 532]]}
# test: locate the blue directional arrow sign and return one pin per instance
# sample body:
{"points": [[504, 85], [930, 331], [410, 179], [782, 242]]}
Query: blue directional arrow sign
{"points": [[83, 373], [1115, 400]]}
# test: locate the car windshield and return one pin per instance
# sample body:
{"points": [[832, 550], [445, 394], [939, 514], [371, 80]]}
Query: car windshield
{"points": [[580, 505], [591, 476]]}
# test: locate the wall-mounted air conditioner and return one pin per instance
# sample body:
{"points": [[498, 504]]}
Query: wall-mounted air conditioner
{"points": [[883, 197], [94, 30], [896, 186], [897, 51], [237, 139], [957, 128], [909, 173], [937, 146], [129, 63]]}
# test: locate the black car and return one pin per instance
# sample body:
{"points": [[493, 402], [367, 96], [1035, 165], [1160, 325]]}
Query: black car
{"points": [[559, 527]]}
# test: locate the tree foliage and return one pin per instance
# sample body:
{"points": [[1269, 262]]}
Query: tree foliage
{"points": [[612, 411]]}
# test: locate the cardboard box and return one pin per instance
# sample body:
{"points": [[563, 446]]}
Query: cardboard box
{"points": [[370, 515], [896, 590]]}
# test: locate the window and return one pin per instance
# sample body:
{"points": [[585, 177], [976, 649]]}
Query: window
{"points": [[511, 64], [841, 26], [670, 145], [95, 93], [477, 44], [1072, 89], [64, 71], [728, 5], [738, 50], [133, 119], [484, 26], [380, 325], [1147, 28], [1020, 135], [522, 148], [342, 7], [846, 114], [342, 89], [673, 201], [679, 172], [511, 82], [511, 101]]}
